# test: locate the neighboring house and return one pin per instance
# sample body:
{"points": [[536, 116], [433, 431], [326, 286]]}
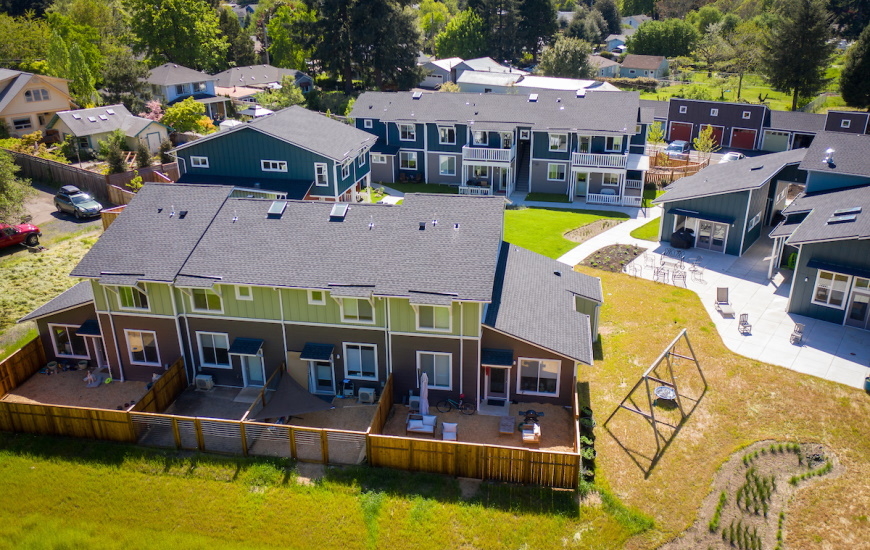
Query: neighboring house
{"points": [[604, 68], [294, 153], [512, 83], [261, 77], [486, 65], [574, 143], [648, 66], [790, 130], [635, 21], [852, 122], [171, 83], [658, 110], [91, 126], [614, 41], [438, 71], [251, 286], [828, 226], [728, 205], [735, 125], [28, 101]]}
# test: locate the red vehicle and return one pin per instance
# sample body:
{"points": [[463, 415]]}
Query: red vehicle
{"points": [[16, 234]]}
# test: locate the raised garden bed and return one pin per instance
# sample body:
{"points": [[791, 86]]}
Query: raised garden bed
{"points": [[613, 258]]}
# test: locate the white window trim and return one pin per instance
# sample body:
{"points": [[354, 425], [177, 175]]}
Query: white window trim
{"points": [[683, 109], [314, 302], [356, 376], [15, 123], [194, 309], [440, 142], [344, 318], [845, 123], [202, 362], [412, 133], [69, 329], [550, 165], [525, 134], [249, 297], [198, 162], [378, 158], [753, 221], [520, 376], [281, 165], [603, 182], [121, 305], [560, 149], [433, 329], [361, 160], [714, 112], [127, 332], [432, 384], [367, 123], [440, 169], [414, 153], [325, 183], [483, 133], [345, 171], [830, 290], [747, 115], [611, 149]]}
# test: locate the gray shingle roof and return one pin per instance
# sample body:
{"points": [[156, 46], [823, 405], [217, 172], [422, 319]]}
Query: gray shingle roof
{"points": [[601, 62], [98, 120], [615, 112], [146, 242], [80, 294], [170, 74], [15, 81], [488, 64], [796, 121], [307, 129], [851, 154], [646, 62], [253, 75], [731, 177], [822, 207], [534, 304], [659, 108]]}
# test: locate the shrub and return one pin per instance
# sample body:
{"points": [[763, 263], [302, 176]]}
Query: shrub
{"points": [[143, 155]]}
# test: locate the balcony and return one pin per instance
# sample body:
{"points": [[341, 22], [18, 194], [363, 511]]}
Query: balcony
{"points": [[596, 160], [474, 190], [486, 154]]}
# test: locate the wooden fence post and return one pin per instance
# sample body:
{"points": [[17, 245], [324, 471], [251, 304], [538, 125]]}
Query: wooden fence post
{"points": [[176, 433], [324, 447], [292, 434], [244, 438], [200, 438]]}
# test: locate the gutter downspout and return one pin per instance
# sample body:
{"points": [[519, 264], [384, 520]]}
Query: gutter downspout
{"points": [[462, 345], [114, 335], [178, 333]]}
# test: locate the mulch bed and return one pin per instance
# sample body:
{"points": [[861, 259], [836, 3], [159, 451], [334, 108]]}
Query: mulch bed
{"points": [[586, 232], [613, 258]]}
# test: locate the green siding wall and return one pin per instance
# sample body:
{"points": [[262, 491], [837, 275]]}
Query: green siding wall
{"points": [[99, 301], [466, 316], [846, 253], [297, 309], [159, 299], [265, 304]]}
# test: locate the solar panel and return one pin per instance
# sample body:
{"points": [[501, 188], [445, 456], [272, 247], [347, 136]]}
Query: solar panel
{"points": [[339, 211]]}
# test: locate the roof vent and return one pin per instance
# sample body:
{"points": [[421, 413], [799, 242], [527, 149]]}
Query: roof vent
{"points": [[533, 98], [77, 117], [558, 100], [92, 119], [182, 214], [110, 111], [456, 226], [422, 226], [338, 212], [581, 93], [829, 156], [417, 95], [557, 273], [276, 210]]}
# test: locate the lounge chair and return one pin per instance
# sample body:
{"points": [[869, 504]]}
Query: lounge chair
{"points": [[532, 433], [797, 335], [744, 327], [723, 304], [421, 424], [448, 431]]}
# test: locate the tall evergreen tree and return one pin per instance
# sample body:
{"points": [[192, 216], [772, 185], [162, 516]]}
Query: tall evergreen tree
{"points": [[500, 21], [290, 40], [798, 50], [850, 16], [537, 25], [82, 85], [855, 78], [610, 12], [387, 42], [335, 50], [124, 79]]}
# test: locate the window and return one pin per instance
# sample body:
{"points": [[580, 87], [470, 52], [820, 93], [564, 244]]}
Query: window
{"points": [[610, 179], [539, 376], [433, 318], [316, 298], [273, 165], [345, 171], [631, 71], [357, 310], [831, 289], [407, 132], [39, 94], [199, 162], [845, 123], [142, 346], [437, 367], [378, 159], [683, 109], [447, 165], [556, 172], [361, 361], [524, 134], [22, 123], [244, 293], [320, 176], [408, 160], [613, 143], [84, 142], [714, 112], [507, 140], [198, 87], [207, 300], [558, 142], [131, 297], [480, 137], [367, 123], [753, 222], [446, 135], [584, 143], [478, 171], [747, 115], [67, 343], [179, 89], [361, 160], [214, 350]]}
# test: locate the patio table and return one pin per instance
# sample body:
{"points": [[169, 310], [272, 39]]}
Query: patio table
{"points": [[506, 425]]}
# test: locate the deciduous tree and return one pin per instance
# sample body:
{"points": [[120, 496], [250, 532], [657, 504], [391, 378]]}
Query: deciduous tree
{"points": [[82, 86], [706, 143], [241, 48], [855, 78], [669, 38], [124, 79], [184, 116], [463, 37], [13, 190], [289, 94], [433, 16], [610, 12], [290, 40], [567, 58]]}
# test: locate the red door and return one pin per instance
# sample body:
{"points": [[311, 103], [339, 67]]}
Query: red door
{"points": [[717, 133], [743, 139], [680, 130]]}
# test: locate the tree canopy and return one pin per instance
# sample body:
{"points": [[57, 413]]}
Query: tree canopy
{"points": [[290, 43], [463, 37], [289, 94], [670, 38], [567, 58], [610, 12], [13, 190], [187, 116], [855, 78]]}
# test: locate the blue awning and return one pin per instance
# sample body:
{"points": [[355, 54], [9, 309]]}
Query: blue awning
{"points": [[317, 352], [246, 346], [701, 215], [496, 357], [843, 269], [89, 328]]}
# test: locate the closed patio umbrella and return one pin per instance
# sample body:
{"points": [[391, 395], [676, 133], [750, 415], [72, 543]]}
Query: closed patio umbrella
{"points": [[424, 393]]}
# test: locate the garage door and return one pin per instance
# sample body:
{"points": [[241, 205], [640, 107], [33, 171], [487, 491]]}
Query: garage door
{"points": [[717, 133], [432, 81], [775, 141], [680, 130], [742, 139]]}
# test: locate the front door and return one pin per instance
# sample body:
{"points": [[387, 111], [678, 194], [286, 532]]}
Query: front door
{"points": [[497, 383], [711, 236], [253, 370], [581, 183], [320, 377], [859, 307], [100, 352]]}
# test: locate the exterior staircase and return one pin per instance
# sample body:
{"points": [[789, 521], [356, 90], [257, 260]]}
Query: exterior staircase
{"points": [[522, 185]]}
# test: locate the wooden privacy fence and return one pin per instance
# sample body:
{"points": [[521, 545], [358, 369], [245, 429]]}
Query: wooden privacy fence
{"points": [[52, 171], [67, 421], [385, 405], [164, 391], [161, 173], [21, 365]]}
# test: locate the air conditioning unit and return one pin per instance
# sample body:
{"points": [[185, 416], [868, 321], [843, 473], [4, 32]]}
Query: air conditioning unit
{"points": [[204, 382], [366, 395]]}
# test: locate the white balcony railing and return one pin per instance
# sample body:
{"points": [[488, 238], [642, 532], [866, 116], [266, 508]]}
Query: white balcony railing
{"points": [[632, 201], [633, 184], [474, 190], [595, 160], [595, 198], [489, 155]]}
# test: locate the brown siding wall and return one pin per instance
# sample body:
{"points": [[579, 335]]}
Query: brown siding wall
{"points": [[270, 333], [167, 343], [497, 340], [404, 356], [75, 316]]}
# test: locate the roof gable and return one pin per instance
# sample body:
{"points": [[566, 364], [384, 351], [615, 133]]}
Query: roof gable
{"points": [[254, 75], [170, 74], [850, 154], [827, 220], [645, 62]]}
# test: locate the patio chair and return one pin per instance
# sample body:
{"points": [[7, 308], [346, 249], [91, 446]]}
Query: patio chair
{"points": [[797, 335], [743, 326], [661, 274], [680, 277], [649, 260], [698, 274], [723, 304], [448, 431]]}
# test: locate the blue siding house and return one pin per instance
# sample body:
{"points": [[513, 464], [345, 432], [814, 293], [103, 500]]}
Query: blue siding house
{"points": [[294, 153], [171, 83]]}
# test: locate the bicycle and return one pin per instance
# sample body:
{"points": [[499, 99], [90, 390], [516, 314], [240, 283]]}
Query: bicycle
{"points": [[447, 405]]}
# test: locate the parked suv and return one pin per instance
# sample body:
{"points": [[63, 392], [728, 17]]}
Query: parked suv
{"points": [[678, 149], [16, 234], [73, 200]]}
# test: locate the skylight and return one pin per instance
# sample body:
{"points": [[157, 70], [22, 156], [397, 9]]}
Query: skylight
{"points": [[92, 119], [339, 211]]}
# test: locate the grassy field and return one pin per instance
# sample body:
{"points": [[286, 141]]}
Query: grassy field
{"points": [[421, 188], [648, 231], [542, 229]]}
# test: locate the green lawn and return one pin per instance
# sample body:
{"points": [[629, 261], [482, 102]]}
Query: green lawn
{"points": [[651, 194], [648, 231], [421, 188], [542, 229], [548, 197]]}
